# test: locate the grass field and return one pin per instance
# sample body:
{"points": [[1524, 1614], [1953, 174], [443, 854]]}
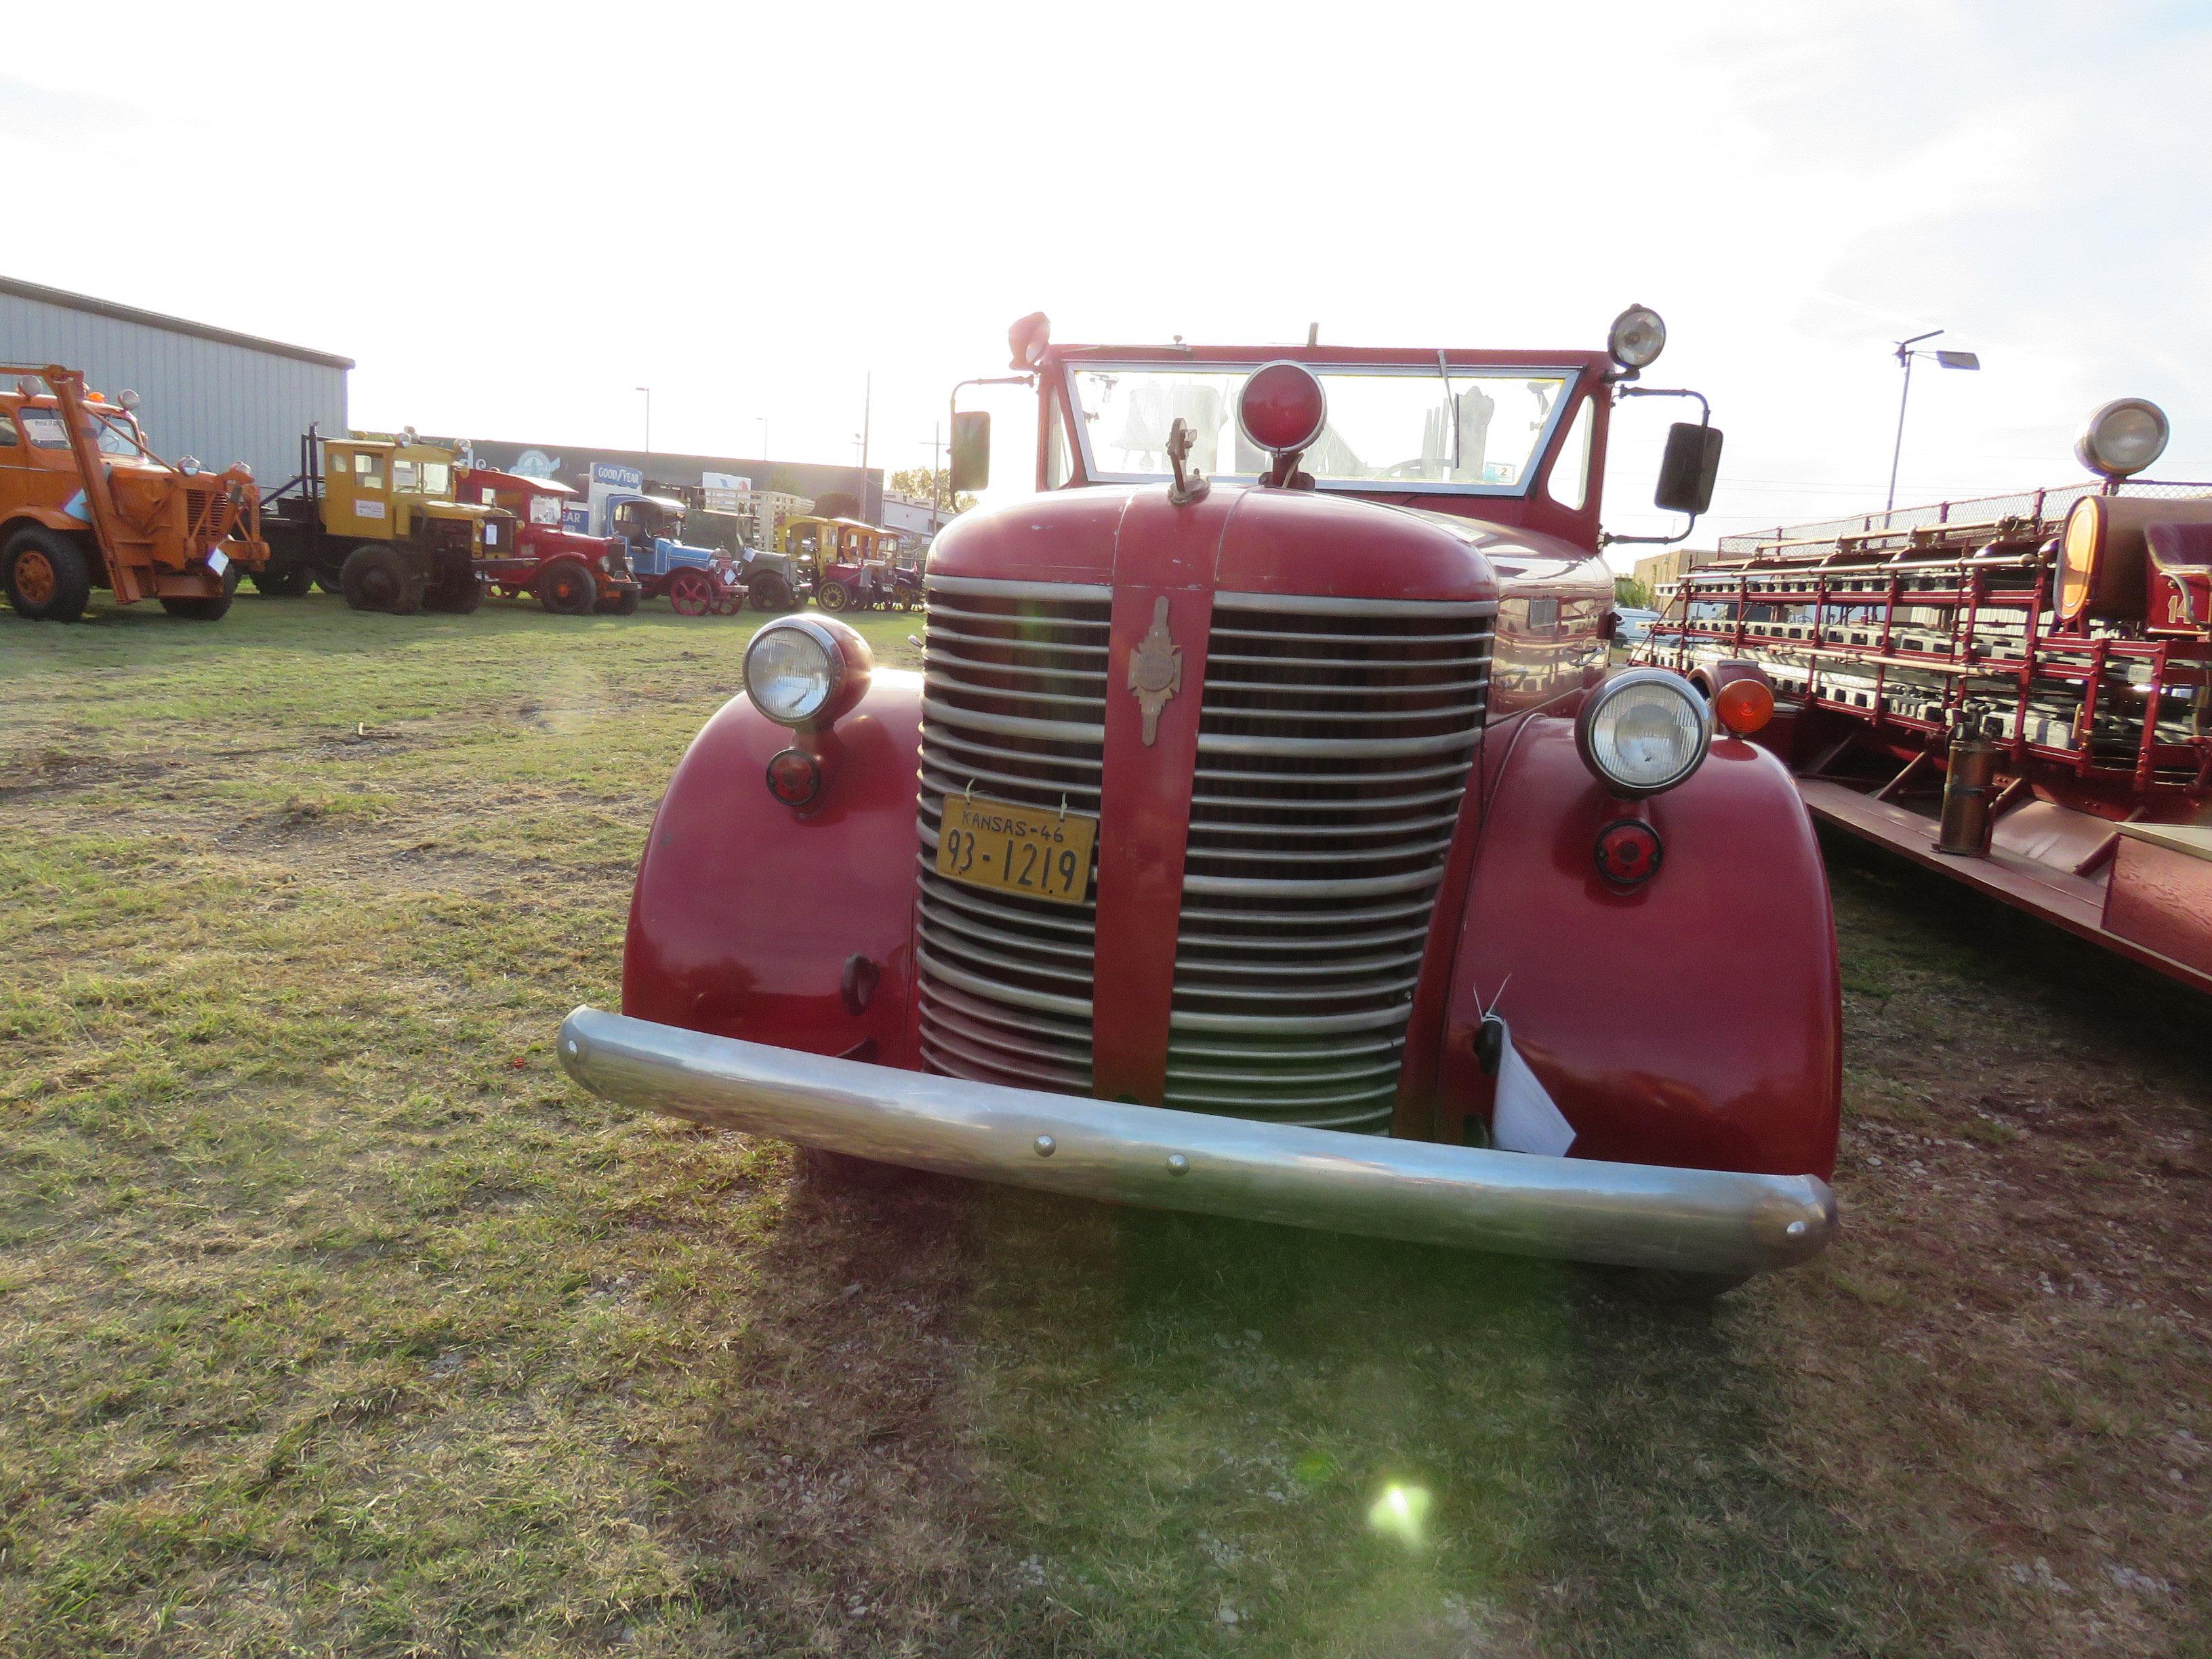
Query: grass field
{"points": [[333, 1320]]}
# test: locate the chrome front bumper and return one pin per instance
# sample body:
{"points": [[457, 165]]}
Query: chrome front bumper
{"points": [[1712, 1221]]}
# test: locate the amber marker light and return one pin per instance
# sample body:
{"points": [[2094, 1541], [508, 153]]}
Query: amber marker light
{"points": [[795, 777], [1744, 707]]}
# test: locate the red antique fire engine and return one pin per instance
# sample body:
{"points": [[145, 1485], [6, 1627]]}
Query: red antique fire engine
{"points": [[1265, 835], [2016, 691], [569, 573]]}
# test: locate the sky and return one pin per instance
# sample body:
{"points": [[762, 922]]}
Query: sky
{"points": [[514, 217]]}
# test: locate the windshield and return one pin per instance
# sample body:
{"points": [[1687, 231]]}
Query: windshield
{"points": [[117, 434], [423, 477], [1386, 426]]}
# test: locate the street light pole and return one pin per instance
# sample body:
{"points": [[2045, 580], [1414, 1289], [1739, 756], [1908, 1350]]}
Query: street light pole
{"points": [[762, 419], [1905, 354], [648, 418]]}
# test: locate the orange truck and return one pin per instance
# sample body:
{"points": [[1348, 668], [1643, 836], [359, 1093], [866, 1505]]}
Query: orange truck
{"points": [[84, 504]]}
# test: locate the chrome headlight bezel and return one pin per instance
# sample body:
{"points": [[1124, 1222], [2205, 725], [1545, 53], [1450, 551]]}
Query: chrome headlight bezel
{"points": [[828, 679], [1637, 685]]}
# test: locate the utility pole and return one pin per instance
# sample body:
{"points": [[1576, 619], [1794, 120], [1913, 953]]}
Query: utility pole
{"points": [[867, 414], [648, 419], [762, 419], [937, 478]]}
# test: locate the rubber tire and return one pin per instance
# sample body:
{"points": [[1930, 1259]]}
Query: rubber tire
{"points": [[72, 574], [288, 580], [567, 589], [332, 582], [834, 595], [769, 592], [376, 578], [623, 604]]}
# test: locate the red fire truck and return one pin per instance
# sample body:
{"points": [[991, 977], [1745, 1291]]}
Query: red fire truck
{"points": [[2016, 691], [568, 572], [1266, 834]]}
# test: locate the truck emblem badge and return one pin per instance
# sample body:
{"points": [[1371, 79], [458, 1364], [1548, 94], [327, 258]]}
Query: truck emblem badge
{"points": [[1156, 669]]}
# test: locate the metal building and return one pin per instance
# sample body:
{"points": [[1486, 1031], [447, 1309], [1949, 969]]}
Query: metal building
{"points": [[205, 391]]}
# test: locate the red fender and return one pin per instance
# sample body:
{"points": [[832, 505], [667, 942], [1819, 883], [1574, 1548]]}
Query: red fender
{"points": [[1695, 1021], [746, 911]]}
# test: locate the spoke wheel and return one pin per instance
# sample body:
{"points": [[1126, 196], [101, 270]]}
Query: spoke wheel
{"points": [[834, 596], [690, 594]]}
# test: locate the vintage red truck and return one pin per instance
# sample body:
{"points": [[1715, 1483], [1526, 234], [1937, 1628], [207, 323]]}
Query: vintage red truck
{"points": [[571, 574], [1266, 834], [2015, 691]]}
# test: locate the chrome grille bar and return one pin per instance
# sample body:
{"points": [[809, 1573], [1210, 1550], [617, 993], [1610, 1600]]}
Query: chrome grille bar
{"points": [[1013, 706], [1335, 740]]}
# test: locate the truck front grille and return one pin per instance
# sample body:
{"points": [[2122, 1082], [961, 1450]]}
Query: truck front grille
{"points": [[1334, 743], [1014, 707], [1335, 740]]}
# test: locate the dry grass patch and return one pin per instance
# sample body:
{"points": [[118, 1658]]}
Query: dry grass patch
{"points": [[333, 1320]]}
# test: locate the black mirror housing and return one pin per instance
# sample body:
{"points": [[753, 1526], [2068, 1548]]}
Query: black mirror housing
{"points": [[1689, 469], [971, 451]]}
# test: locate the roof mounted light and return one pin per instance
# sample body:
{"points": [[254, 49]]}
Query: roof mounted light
{"points": [[26, 386], [1028, 338], [2122, 438], [1645, 731], [1283, 408], [1639, 335], [128, 399]]}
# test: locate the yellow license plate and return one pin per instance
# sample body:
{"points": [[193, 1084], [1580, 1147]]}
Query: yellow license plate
{"points": [[1034, 850]]}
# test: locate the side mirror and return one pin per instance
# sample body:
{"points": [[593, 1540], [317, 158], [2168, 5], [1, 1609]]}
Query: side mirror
{"points": [[971, 451], [1689, 469]]}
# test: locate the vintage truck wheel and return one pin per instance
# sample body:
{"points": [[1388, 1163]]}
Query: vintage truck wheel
{"points": [[46, 574], [376, 578], [691, 594], [286, 580], [330, 578], [567, 589], [622, 603], [834, 595], [729, 602], [769, 592]]}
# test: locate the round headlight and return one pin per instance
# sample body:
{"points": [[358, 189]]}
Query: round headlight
{"points": [[2122, 438], [792, 670], [1645, 731], [1637, 337], [190, 466]]}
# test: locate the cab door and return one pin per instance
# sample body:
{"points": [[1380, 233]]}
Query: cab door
{"points": [[357, 492]]}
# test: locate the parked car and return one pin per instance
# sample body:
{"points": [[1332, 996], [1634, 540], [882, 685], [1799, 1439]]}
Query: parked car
{"points": [[1168, 880], [696, 581], [566, 571], [1632, 624]]}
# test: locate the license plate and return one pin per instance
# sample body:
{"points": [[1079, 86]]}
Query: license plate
{"points": [[1033, 850]]}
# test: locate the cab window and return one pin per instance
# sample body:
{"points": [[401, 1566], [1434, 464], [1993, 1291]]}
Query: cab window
{"points": [[7, 438], [43, 427], [369, 469], [1569, 484]]}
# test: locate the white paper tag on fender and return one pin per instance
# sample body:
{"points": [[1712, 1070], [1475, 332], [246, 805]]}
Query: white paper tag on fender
{"points": [[218, 561], [1525, 1118]]}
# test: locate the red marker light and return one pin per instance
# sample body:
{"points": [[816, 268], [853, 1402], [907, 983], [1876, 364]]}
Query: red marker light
{"points": [[1282, 407], [1744, 705], [795, 777], [1628, 852]]}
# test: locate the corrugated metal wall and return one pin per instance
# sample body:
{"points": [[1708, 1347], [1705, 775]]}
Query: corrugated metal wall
{"points": [[218, 402]]}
